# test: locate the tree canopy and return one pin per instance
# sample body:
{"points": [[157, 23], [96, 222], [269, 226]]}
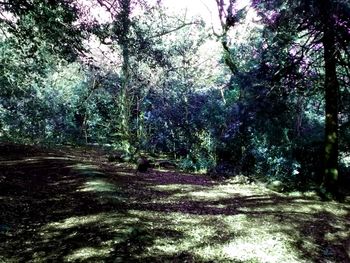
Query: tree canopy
{"points": [[264, 92]]}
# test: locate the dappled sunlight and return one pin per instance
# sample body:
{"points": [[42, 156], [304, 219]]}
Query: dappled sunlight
{"points": [[114, 222], [263, 240], [86, 169], [261, 250], [125, 173], [220, 192], [34, 160], [242, 222], [74, 222], [92, 230], [85, 212], [87, 253], [164, 170], [305, 207], [340, 235], [220, 238], [98, 185], [178, 187], [24, 161], [307, 195], [57, 158], [213, 192], [83, 167], [64, 180], [211, 195], [181, 232], [241, 238]]}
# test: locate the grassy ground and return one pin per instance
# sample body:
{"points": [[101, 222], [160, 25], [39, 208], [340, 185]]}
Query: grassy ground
{"points": [[74, 206]]}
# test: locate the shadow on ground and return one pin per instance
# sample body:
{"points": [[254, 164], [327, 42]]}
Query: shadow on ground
{"points": [[68, 207]]}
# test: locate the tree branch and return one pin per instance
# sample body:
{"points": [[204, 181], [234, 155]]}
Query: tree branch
{"points": [[173, 29]]}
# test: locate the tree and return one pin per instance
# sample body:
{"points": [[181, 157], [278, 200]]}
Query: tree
{"points": [[331, 86], [229, 17], [55, 22], [322, 22], [139, 39]]}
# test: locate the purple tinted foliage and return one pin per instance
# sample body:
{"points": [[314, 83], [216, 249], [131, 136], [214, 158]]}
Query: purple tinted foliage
{"points": [[343, 24], [305, 64], [255, 53], [317, 46], [294, 50], [272, 16], [266, 4]]}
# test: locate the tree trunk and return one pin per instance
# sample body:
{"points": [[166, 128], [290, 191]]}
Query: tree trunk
{"points": [[123, 30], [330, 179]]}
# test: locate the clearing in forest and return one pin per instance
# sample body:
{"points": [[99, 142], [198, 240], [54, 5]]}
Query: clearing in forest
{"points": [[74, 206]]}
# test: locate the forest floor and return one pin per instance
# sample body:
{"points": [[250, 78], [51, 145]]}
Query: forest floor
{"points": [[72, 205]]}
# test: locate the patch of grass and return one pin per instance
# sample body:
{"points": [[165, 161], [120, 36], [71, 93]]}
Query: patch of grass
{"points": [[58, 213]]}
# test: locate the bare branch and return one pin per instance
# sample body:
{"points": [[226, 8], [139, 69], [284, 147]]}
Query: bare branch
{"points": [[173, 29]]}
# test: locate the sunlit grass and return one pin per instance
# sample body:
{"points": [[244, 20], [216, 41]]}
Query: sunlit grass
{"points": [[56, 158], [177, 187], [237, 238], [98, 185], [82, 167], [125, 174], [87, 253], [74, 222], [209, 193], [207, 221], [246, 236], [220, 238]]}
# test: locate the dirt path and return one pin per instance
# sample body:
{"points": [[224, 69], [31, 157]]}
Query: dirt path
{"points": [[74, 206]]}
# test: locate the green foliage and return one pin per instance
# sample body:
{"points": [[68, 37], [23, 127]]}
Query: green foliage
{"points": [[147, 81], [54, 23]]}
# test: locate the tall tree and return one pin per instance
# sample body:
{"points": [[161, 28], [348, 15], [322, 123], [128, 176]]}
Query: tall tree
{"points": [[138, 42], [325, 22], [121, 28], [331, 86]]}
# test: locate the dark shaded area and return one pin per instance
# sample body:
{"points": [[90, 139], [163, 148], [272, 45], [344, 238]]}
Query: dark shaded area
{"points": [[40, 189]]}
